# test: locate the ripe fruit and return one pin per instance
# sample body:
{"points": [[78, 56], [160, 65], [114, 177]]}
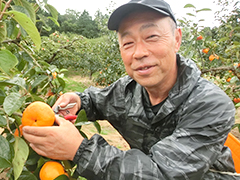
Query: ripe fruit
{"points": [[236, 100], [199, 37], [38, 114], [54, 74], [51, 170], [205, 50], [16, 133], [229, 79], [211, 57]]}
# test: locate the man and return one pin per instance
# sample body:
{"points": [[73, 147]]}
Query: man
{"points": [[175, 122]]}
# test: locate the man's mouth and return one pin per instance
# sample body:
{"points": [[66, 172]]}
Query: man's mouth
{"points": [[144, 68]]}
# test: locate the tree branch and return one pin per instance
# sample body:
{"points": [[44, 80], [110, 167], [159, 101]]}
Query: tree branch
{"points": [[7, 5], [224, 68], [62, 47], [16, 114]]}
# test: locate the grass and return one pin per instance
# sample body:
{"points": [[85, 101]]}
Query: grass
{"points": [[73, 84]]}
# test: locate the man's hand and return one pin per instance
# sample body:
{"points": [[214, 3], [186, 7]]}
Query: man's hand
{"points": [[66, 99], [56, 142]]}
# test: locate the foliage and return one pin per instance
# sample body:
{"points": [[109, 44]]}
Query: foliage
{"points": [[25, 77], [216, 50], [112, 68], [72, 22]]}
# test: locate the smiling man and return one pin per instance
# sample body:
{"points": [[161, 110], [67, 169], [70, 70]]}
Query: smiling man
{"points": [[175, 122]]}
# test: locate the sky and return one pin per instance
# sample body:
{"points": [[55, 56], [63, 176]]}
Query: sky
{"points": [[177, 7]]}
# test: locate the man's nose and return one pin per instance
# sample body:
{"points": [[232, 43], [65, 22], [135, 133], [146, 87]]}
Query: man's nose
{"points": [[140, 51]]}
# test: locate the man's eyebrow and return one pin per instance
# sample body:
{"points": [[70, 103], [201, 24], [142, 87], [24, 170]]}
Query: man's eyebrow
{"points": [[143, 27], [148, 25], [124, 34]]}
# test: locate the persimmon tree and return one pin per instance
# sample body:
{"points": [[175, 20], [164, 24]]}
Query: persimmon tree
{"points": [[25, 77]]}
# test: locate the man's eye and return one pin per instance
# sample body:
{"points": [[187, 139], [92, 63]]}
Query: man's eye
{"points": [[127, 44], [152, 36]]}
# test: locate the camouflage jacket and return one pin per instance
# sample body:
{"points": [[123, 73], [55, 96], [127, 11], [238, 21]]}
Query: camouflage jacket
{"points": [[183, 140]]}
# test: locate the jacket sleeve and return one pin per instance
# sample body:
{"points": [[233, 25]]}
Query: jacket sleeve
{"points": [[193, 148], [99, 106]]}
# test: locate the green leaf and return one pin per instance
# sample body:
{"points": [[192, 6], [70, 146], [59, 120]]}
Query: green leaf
{"points": [[97, 126], [83, 134], [3, 121], [3, 31], [190, 14], [14, 81], [39, 80], [21, 153], [12, 103], [189, 6], [63, 70], [237, 34], [236, 28], [5, 153], [26, 175], [4, 163], [7, 61], [204, 9], [11, 27], [237, 105], [29, 8], [2, 96], [55, 21], [51, 100], [2, 6], [52, 10], [81, 118], [62, 82], [21, 9], [33, 157], [62, 177], [223, 39], [27, 25]]}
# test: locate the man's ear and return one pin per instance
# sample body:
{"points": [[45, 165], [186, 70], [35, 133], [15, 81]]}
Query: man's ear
{"points": [[178, 39]]}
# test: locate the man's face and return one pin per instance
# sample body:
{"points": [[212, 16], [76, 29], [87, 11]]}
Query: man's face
{"points": [[148, 46]]}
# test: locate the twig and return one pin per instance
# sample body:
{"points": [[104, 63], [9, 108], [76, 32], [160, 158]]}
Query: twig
{"points": [[7, 5], [34, 60], [12, 41], [224, 68], [16, 114]]}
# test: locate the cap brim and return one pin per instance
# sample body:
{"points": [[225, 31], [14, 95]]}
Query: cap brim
{"points": [[120, 13]]}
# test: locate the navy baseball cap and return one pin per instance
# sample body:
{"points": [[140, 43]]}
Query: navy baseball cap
{"points": [[136, 5]]}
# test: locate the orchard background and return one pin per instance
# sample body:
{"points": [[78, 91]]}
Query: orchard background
{"points": [[38, 45]]}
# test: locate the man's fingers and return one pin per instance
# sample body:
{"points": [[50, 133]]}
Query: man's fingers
{"points": [[59, 121], [36, 131]]}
